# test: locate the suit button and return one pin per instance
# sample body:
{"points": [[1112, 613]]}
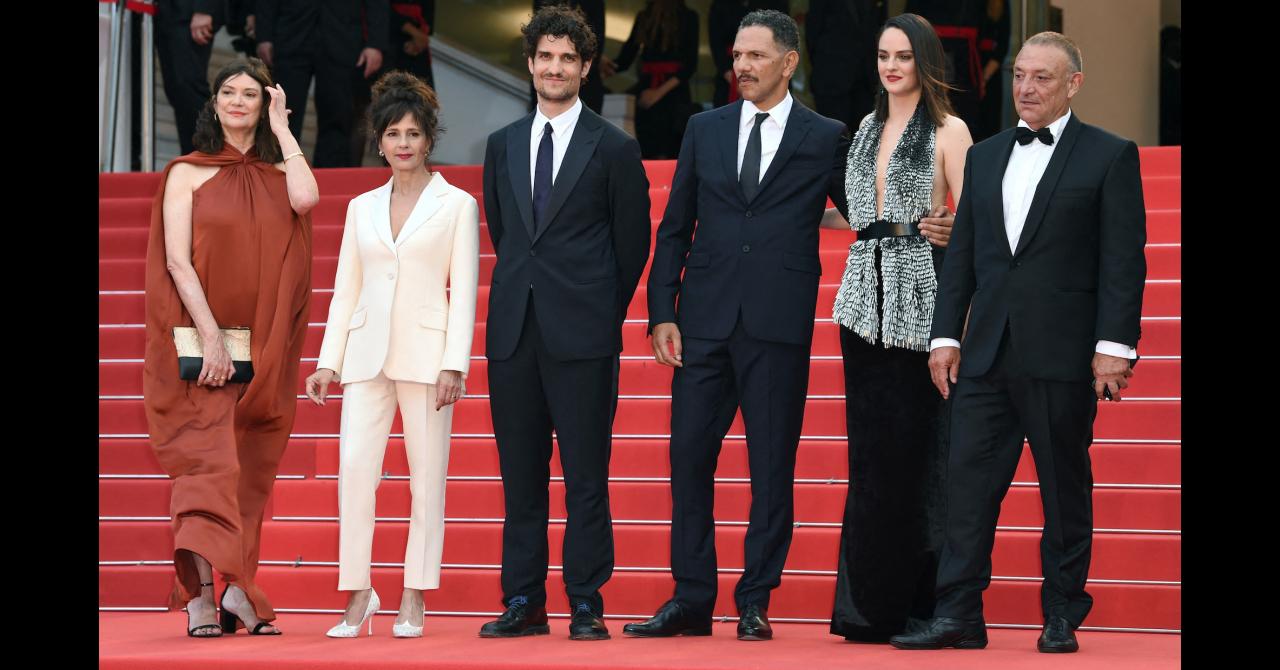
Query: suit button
{"points": [[746, 248], [391, 275], [749, 214], [533, 252]]}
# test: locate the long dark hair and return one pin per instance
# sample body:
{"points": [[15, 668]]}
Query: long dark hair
{"points": [[208, 136], [929, 68], [660, 23]]}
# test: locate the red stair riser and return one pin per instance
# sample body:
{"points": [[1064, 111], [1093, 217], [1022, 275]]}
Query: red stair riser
{"points": [[1016, 553], [799, 596], [1137, 419], [816, 459], [1154, 379], [1159, 338], [1132, 509], [1158, 300]]}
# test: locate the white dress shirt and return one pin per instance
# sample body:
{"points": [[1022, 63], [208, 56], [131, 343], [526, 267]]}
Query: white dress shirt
{"points": [[770, 132], [1026, 166], [561, 132]]}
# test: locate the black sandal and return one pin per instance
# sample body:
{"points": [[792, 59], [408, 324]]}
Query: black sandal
{"points": [[191, 632], [230, 621]]}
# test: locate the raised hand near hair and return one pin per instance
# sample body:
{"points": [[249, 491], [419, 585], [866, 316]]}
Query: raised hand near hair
{"points": [[277, 113], [449, 388], [937, 226]]}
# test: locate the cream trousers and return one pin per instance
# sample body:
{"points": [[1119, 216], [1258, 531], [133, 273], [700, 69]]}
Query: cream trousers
{"points": [[368, 409]]}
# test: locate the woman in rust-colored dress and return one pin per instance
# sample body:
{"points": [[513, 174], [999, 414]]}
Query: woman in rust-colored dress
{"points": [[230, 246]]}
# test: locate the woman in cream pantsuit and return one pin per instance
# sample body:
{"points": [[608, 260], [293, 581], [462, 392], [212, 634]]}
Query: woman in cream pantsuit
{"points": [[395, 336]]}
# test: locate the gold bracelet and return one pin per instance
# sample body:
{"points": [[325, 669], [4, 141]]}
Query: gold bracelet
{"points": [[292, 155]]}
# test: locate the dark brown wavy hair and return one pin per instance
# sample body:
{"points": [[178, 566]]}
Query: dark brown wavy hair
{"points": [[397, 93], [208, 136], [558, 21], [929, 68]]}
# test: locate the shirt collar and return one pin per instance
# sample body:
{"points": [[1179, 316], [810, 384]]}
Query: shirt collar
{"points": [[563, 123], [1055, 127], [779, 113]]}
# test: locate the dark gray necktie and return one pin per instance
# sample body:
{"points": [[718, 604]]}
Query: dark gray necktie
{"points": [[749, 177]]}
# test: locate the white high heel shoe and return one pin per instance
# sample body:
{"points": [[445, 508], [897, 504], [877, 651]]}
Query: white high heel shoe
{"points": [[406, 629], [345, 630]]}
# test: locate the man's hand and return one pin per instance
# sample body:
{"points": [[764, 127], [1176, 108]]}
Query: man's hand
{"points": [[937, 226], [944, 366], [371, 59], [266, 53], [201, 28], [251, 26], [667, 335], [1110, 373]]}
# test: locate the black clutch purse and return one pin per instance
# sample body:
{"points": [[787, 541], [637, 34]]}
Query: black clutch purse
{"points": [[191, 353]]}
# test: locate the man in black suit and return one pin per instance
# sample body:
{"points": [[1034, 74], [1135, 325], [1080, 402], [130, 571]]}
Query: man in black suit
{"points": [[1046, 259], [754, 176], [567, 203], [841, 39], [184, 44], [327, 39]]}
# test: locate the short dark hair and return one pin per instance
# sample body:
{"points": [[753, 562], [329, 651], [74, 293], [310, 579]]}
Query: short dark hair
{"points": [[785, 31], [397, 93], [559, 21], [208, 135]]}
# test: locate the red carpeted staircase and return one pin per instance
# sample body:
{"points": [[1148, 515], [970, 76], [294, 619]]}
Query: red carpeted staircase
{"points": [[1135, 575]]}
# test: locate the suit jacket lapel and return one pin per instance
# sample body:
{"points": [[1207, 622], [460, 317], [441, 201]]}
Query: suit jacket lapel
{"points": [[727, 138], [792, 136], [518, 169], [381, 216], [997, 203], [428, 203], [1044, 189], [581, 145]]}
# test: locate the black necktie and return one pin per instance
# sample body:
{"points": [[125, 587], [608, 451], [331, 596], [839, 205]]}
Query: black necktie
{"points": [[749, 178], [1024, 135], [542, 176]]}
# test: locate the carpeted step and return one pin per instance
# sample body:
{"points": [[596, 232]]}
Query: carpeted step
{"points": [[1135, 420], [1153, 379], [640, 593], [1116, 556], [1132, 509]]}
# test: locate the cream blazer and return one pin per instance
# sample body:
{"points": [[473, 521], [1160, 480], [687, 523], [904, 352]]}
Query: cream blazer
{"points": [[390, 310]]}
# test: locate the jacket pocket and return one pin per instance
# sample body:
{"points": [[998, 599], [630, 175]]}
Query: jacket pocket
{"points": [[430, 317], [801, 263], [358, 318]]}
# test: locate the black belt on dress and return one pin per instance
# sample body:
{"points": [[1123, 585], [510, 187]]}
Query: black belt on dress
{"points": [[878, 229]]}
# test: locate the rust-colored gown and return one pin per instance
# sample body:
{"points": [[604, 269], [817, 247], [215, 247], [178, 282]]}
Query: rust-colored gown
{"points": [[222, 446]]}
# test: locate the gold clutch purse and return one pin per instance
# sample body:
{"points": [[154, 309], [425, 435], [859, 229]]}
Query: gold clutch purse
{"points": [[191, 353]]}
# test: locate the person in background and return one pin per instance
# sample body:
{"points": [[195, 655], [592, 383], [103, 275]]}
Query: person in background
{"points": [[665, 37], [959, 25], [184, 44], [993, 46], [237, 256], [412, 24], [328, 40], [396, 337], [841, 39], [722, 27]]}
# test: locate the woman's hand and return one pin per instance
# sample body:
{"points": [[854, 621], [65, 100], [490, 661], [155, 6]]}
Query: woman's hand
{"points": [[449, 388], [217, 367], [649, 97], [277, 113], [318, 384]]}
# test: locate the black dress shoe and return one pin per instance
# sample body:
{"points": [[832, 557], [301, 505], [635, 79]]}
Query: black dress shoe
{"points": [[585, 625], [942, 632], [672, 619], [753, 624], [1059, 637], [519, 620]]}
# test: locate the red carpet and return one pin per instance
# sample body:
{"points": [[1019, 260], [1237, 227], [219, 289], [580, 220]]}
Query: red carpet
{"points": [[1135, 575], [149, 641]]}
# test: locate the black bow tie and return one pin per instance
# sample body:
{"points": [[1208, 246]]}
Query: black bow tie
{"points": [[1024, 135]]}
